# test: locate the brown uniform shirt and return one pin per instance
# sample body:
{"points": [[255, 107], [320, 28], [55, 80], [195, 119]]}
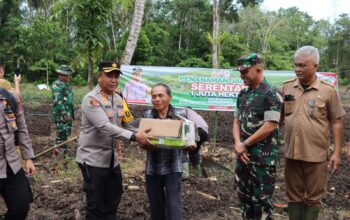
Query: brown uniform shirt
{"points": [[9, 123], [307, 117]]}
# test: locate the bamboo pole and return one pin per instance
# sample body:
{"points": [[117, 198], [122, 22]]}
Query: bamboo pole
{"points": [[55, 146]]}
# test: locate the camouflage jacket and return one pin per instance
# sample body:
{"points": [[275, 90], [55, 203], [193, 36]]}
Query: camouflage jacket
{"points": [[254, 106], [62, 98]]}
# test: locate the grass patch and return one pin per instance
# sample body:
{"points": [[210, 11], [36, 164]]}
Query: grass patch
{"points": [[31, 95], [69, 169]]}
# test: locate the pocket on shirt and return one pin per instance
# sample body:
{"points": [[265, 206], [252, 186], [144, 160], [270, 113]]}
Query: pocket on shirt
{"points": [[11, 122], [320, 109], [289, 107]]}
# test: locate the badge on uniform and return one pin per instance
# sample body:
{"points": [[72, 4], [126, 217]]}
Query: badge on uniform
{"points": [[312, 103], [14, 125], [110, 113], [104, 100], [94, 102], [289, 97], [127, 117]]}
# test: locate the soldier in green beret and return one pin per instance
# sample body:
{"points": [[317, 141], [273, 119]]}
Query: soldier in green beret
{"points": [[62, 99], [255, 134]]}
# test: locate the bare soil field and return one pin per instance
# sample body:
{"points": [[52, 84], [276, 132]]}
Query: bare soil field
{"points": [[58, 194]]}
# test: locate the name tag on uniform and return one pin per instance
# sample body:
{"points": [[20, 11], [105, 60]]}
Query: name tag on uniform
{"points": [[120, 110], [110, 113]]}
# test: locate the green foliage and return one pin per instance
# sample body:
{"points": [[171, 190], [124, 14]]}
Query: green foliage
{"points": [[38, 71], [232, 49], [159, 41], [111, 55], [78, 80], [43, 39], [193, 62], [174, 33], [89, 18], [69, 169], [144, 51]]}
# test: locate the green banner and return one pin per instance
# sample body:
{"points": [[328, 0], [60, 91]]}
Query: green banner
{"points": [[199, 88]]}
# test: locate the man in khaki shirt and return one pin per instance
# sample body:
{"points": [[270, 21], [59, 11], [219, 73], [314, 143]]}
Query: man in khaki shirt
{"points": [[311, 108]]}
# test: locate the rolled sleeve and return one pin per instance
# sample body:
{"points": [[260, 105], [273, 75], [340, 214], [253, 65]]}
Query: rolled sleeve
{"points": [[336, 109], [273, 106], [272, 116]]}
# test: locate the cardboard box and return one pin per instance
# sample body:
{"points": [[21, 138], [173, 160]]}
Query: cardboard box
{"points": [[161, 128], [170, 133]]}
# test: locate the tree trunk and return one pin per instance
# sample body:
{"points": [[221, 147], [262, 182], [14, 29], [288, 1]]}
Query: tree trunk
{"points": [[113, 33], [47, 73], [91, 72], [215, 43], [134, 32]]}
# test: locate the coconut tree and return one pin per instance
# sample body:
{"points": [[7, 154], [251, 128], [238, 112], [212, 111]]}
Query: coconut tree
{"points": [[134, 32]]}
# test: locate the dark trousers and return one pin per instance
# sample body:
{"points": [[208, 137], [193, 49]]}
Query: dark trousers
{"points": [[255, 185], [194, 155], [164, 195], [17, 194], [103, 189]]}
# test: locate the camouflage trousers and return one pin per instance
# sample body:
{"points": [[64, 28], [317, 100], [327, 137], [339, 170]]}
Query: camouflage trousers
{"points": [[255, 185], [64, 129]]}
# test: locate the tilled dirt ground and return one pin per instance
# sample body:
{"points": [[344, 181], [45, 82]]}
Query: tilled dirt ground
{"points": [[57, 187]]}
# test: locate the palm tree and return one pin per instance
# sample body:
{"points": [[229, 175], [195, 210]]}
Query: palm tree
{"points": [[134, 32]]}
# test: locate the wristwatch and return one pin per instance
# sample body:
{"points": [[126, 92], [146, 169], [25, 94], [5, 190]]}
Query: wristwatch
{"points": [[133, 138]]}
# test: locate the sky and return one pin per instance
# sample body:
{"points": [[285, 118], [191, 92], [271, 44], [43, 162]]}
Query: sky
{"points": [[318, 9]]}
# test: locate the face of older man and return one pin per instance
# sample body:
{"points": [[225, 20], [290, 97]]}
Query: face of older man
{"points": [[160, 98], [305, 68]]}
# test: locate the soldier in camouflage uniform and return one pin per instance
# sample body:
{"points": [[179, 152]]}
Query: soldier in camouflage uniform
{"points": [[62, 110], [255, 135]]}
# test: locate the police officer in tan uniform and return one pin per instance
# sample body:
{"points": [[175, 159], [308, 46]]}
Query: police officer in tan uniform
{"points": [[14, 186], [102, 116], [311, 107]]}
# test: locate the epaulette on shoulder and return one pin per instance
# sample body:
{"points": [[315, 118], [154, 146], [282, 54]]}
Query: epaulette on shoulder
{"points": [[289, 80], [327, 83]]}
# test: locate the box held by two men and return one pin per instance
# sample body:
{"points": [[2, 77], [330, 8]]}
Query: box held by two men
{"points": [[171, 134]]}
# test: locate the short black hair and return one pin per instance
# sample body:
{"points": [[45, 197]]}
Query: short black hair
{"points": [[167, 88]]}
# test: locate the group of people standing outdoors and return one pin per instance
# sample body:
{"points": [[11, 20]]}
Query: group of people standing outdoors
{"points": [[306, 106]]}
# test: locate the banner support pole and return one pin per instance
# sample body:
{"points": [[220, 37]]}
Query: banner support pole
{"points": [[215, 126]]}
